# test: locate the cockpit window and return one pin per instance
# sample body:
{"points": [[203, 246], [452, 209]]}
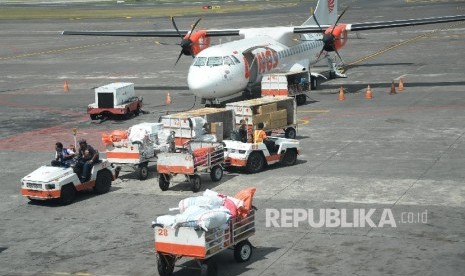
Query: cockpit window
{"points": [[215, 61], [200, 61], [235, 59], [228, 61]]}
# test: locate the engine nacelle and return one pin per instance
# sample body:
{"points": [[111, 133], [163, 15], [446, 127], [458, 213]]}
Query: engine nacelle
{"points": [[339, 37], [199, 42]]}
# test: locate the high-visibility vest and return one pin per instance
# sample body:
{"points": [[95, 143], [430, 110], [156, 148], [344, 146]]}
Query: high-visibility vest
{"points": [[258, 136]]}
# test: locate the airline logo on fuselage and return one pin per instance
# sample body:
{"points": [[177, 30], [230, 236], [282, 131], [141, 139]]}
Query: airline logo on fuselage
{"points": [[330, 5], [266, 60]]}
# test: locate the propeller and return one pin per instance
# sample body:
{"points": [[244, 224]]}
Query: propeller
{"points": [[329, 39], [186, 43]]}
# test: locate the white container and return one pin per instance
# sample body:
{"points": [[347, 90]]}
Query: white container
{"points": [[121, 92]]}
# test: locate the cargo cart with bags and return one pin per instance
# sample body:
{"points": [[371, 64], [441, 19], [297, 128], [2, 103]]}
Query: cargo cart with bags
{"points": [[172, 244], [197, 158]]}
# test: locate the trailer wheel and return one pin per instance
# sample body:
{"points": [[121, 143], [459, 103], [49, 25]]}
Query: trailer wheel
{"points": [[196, 183], [290, 133], [255, 162], [289, 158], [143, 171], [93, 116], [68, 194], [243, 251], [163, 182], [165, 264], [216, 173], [103, 182], [209, 268]]}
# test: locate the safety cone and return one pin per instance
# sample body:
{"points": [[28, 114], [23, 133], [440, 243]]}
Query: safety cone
{"points": [[393, 89], [368, 94], [66, 87], [401, 84], [342, 97], [168, 99]]}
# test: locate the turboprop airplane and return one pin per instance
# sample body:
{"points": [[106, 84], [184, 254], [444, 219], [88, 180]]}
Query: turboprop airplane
{"points": [[219, 71]]}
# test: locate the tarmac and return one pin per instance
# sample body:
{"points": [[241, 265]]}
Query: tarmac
{"points": [[402, 155]]}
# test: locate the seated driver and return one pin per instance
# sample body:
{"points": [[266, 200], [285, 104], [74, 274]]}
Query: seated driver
{"points": [[87, 157]]}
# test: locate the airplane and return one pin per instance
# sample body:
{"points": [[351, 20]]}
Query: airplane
{"points": [[219, 71]]}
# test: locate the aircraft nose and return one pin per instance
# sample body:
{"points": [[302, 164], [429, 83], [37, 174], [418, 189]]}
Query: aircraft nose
{"points": [[213, 82]]}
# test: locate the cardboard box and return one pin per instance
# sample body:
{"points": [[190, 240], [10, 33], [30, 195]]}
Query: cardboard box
{"points": [[264, 118], [267, 108], [216, 127], [281, 123], [278, 115]]}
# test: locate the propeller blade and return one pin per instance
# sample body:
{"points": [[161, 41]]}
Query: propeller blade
{"points": [[320, 54], [316, 21], [176, 27], [180, 54], [193, 27], [337, 53], [335, 24]]}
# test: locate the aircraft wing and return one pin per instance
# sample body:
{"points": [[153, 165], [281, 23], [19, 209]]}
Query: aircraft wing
{"points": [[383, 24], [159, 33]]}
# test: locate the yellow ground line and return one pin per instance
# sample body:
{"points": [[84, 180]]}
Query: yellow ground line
{"points": [[303, 122]]}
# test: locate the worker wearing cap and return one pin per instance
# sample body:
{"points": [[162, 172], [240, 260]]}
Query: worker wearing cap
{"points": [[259, 135], [87, 157]]}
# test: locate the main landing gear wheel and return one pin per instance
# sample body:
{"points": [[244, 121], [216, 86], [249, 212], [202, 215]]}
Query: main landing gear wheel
{"points": [[301, 99], [143, 171], [209, 268], [196, 183], [165, 264], [216, 173], [243, 251], [290, 133], [163, 182], [255, 163]]}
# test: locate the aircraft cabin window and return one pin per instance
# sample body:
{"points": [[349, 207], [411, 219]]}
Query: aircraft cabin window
{"points": [[228, 61], [215, 61], [200, 61], [235, 59]]}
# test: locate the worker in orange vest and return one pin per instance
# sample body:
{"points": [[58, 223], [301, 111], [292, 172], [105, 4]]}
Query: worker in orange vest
{"points": [[259, 134]]}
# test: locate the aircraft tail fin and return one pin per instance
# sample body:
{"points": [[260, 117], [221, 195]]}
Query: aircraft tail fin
{"points": [[325, 13]]}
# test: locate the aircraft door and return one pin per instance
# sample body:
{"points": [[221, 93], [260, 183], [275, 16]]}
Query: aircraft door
{"points": [[252, 67]]}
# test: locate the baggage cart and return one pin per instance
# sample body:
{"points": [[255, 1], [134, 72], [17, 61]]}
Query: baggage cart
{"points": [[197, 158], [173, 244]]}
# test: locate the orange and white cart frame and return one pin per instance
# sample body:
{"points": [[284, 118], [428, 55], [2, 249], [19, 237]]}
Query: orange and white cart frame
{"points": [[174, 244]]}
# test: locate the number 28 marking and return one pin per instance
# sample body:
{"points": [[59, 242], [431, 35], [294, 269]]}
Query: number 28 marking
{"points": [[162, 232]]}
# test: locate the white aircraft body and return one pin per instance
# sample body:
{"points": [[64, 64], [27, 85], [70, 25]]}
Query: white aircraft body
{"points": [[223, 70]]}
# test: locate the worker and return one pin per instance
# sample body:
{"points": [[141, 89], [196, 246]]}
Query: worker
{"points": [[243, 131], [87, 157], [171, 141], [62, 155], [259, 135]]}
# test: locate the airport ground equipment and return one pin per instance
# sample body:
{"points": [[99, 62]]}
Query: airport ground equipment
{"points": [[254, 157], [174, 244], [124, 152], [197, 158], [185, 124], [115, 100], [49, 182], [291, 84], [278, 115]]}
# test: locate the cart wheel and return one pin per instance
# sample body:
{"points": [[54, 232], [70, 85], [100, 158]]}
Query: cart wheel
{"points": [[290, 133], [243, 251], [163, 182], [255, 162], [68, 194], [290, 157], [196, 183], [209, 268], [93, 116], [301, 99], [216, 173], [143, 171], [165, 264]]}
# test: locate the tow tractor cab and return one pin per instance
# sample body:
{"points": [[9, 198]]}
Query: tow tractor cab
{"points": [[49, 182], [253, 157]]}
